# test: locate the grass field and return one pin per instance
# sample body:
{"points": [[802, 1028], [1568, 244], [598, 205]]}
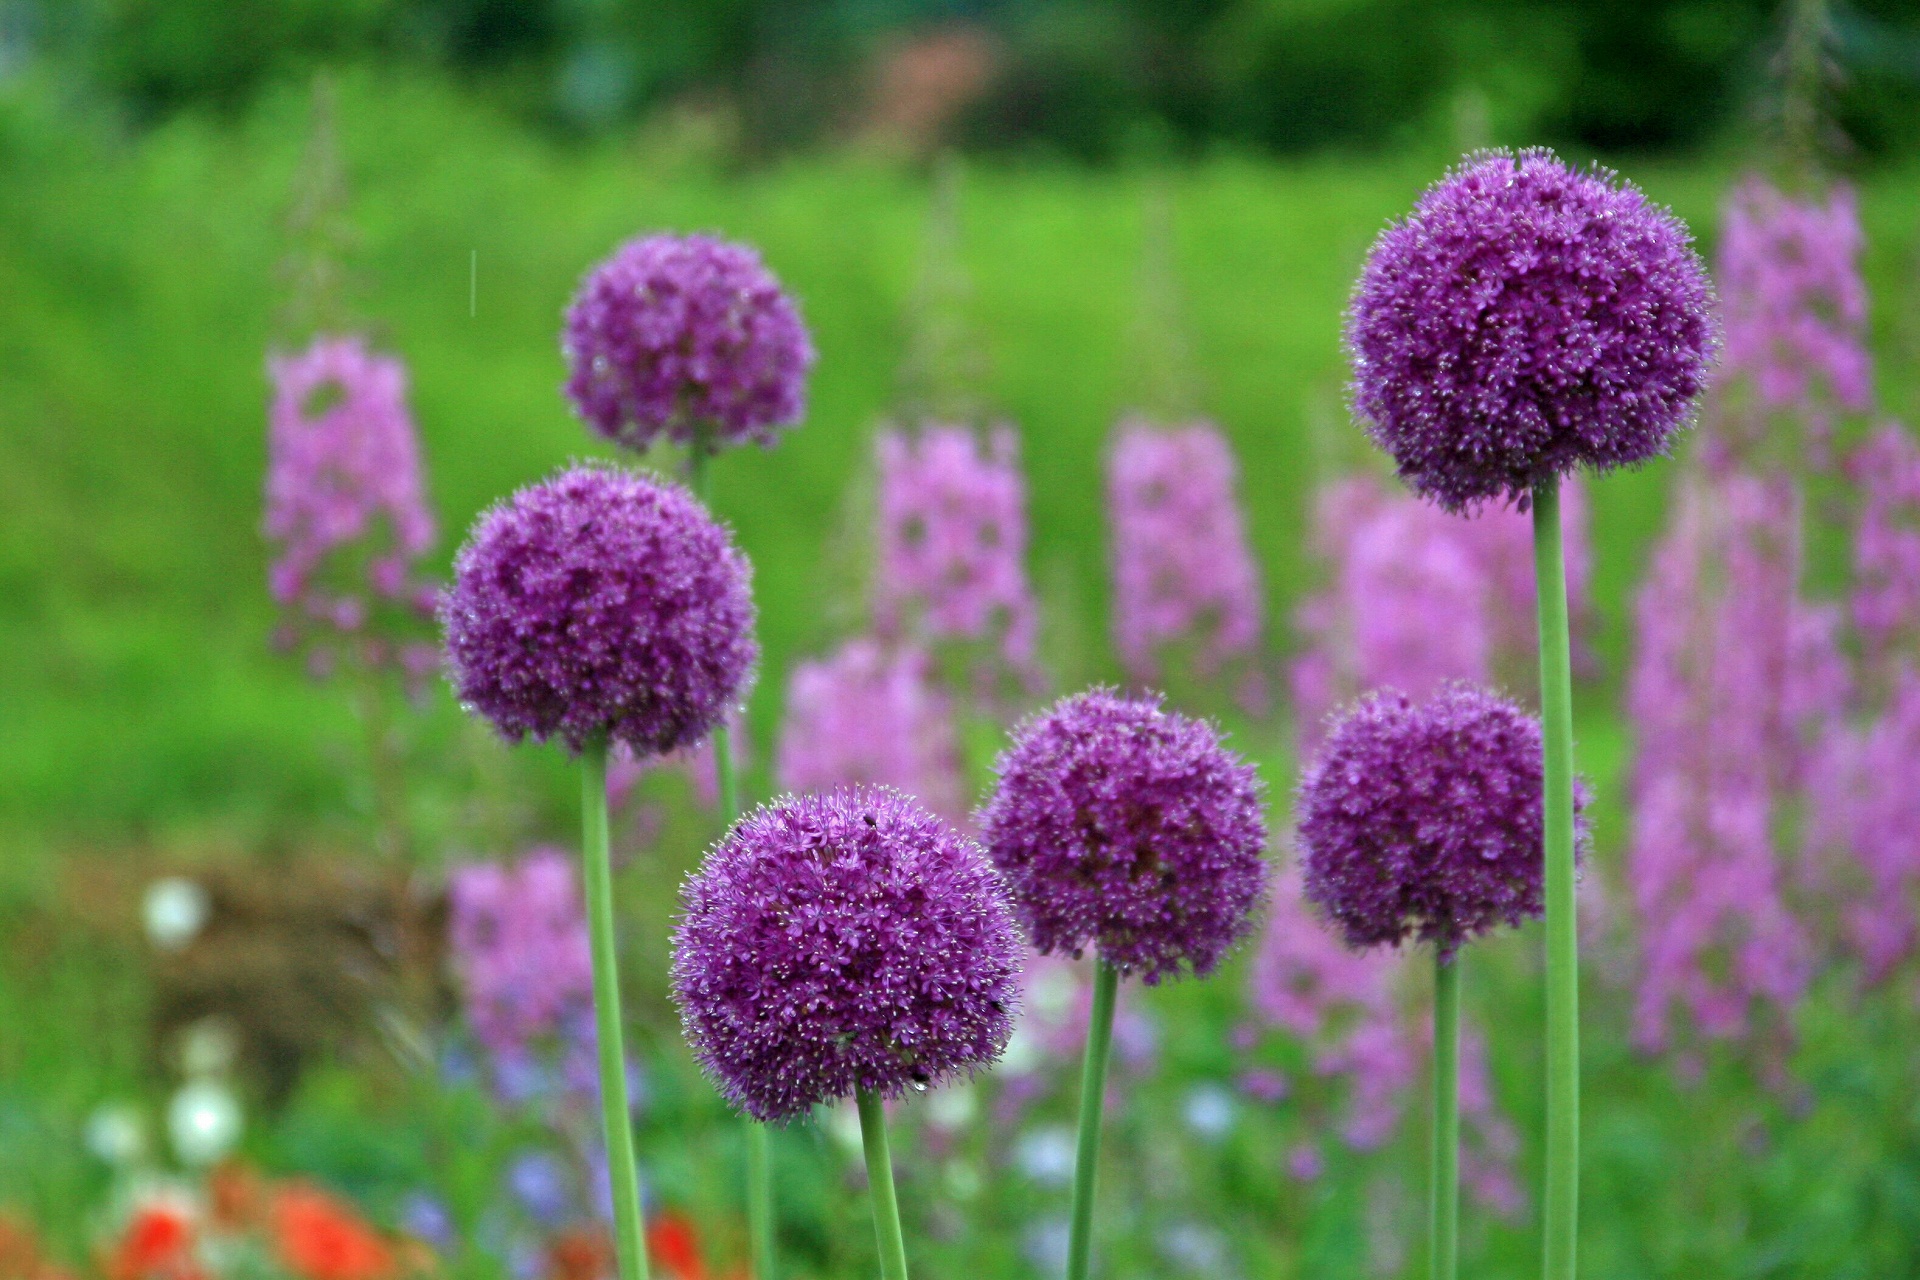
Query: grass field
{"points": [[143, 710]]}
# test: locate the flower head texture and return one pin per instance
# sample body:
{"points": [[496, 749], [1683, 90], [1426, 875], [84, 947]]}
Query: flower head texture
{"points": [[1423, 821], [868, 714], [952, 540], [1130, 829], [841, 941], [1527, 319], [1794, 303], [1734, 680], [1415, 597], [675, 333], [600, 602], [1182, 570], [345, 509]]}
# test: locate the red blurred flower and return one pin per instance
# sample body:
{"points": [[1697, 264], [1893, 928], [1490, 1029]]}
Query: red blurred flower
{"points": [[674, 1247], [319, 1238], [157, 1244], [583, 1253]]}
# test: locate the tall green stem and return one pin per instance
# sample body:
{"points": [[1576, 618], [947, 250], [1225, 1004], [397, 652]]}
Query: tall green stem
{"points": [[1443, 1221], [886, 1205], [629, 1240], [1563, 956], [1093, 1093], [759, 1159]]}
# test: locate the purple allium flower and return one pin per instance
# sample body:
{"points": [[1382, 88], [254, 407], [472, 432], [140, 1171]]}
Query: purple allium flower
{"points": [[1182, 569], [1864, 828], [1885, 594], [1794, 303], [1424, 821], [1130, 829], [839, 941], [870, 715], [1415, 597], [1734, 680], [952, 534], [601, 602], [1526, 320], [673, 332], [344, 507]]}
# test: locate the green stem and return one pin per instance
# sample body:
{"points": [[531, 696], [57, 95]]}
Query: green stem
{"points": [[1444, 1208], [886, 1206], [1563, 958], [1093, 1093], [629, 1240], [759, 1161]]}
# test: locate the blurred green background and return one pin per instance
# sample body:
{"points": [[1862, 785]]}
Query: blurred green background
{"points": [[490, 151]]}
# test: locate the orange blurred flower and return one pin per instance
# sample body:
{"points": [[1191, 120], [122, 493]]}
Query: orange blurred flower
{"points": [[319, 1238], [580, 1254], [157, 1244], [674, 1247], [236, 1196]]}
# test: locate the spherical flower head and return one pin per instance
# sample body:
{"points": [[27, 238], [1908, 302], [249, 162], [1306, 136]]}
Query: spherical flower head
{"points": [[1527, 319], [674, 334], [1128, 828], [1424, 821], [600, 603], [839, 941]]}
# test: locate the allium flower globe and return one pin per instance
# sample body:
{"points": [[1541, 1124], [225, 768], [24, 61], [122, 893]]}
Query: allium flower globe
{"points": [[1526, 320], [600, 602], [1424, 821], [840, 941], [1127, 828], [675, 332]]}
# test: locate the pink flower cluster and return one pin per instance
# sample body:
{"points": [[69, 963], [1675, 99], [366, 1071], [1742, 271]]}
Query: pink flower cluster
{"points": [[1735, 680], [1885, 592], [1792, 299], [1415, 597], [519, 938], [344, 505], [1183, 573], [1345, 1005], [952, 535], [870, 714]]}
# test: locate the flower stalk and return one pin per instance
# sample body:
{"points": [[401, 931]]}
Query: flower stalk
{"points": [[1563, 960], [1093, 1092], [629, 1239], [886, 1205], [1443, 1227]]}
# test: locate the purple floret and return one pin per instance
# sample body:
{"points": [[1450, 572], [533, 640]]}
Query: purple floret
{"points": [[1128, 828], [840, 941], [1424, 821], [673, 332], [1526, 320], [601, 602]]}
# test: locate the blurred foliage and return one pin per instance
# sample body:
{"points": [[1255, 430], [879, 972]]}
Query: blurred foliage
{"points": [[1088, 78]]}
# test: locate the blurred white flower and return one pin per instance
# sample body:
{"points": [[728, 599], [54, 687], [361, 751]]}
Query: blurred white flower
{"points": [[1209, 1111], [1046, 1155], [116, 1134], [1022, 1054], [1195, 1250], [1045, 1246], [175, 911], [952, 1107], [204, 1122]]}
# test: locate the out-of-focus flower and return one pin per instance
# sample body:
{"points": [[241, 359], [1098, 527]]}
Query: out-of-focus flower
{"points": [[1046, 1155], [842, 941], [1415, 597], [1794, 303], [675, 333], [1209, 1111], [203, 1121], [345, 507], [116, 1134], [673, 1243], [581, 1253], [21, 1257], [1885, 592], [540, 1184], [1131, 830], [159, 1242], [318, 1237], [1183, 574], [1305, 1163], [601, 602], [952, 541], [1526, 320], [174, 911], [870, 714], [1735, 678]]}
